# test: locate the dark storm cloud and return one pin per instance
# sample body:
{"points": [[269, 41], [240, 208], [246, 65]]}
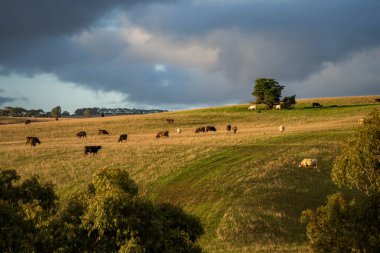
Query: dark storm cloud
{"points": [[304, 33], [4, 100], [288, 40]]}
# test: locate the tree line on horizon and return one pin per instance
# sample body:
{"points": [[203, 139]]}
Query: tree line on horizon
{"points": [[56, 112]]}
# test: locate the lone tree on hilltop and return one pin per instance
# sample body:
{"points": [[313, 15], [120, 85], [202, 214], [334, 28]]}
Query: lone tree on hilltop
{"points": [[267, 91]]}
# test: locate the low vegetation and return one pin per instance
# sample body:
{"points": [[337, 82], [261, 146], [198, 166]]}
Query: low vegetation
{"points": [[109, 217], [246, 188], [348, 224]]}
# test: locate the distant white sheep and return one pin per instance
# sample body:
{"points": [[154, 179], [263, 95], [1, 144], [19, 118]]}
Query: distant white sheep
{"points": [[179, 130], [277, 107], [309, 163], [252, 107], [282, 128]]}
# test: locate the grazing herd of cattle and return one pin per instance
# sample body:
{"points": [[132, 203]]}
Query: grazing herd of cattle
{"points": [[305, 163]]}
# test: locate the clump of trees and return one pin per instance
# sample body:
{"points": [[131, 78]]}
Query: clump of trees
{"points": [[268, 91], [56, 112], [109, 217], [351, 224]]}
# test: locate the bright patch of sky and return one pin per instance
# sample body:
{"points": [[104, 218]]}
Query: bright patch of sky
{"points": [[160, 68], [47, 91]]}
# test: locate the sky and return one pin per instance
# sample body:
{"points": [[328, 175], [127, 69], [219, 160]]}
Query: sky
{"points": [[179, 54]]}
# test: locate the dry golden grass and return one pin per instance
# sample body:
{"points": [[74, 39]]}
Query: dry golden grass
{"points": [[246, 187]]}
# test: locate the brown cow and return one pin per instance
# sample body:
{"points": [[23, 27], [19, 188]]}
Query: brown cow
{"points": [[235, 129], [28, 121], [33, 141], [170, 121], [91, 149], [200, 129], [123, 137], [316, 105], [229, 128], [162, 134], [210, 128], [82, 134], [102, 131]]}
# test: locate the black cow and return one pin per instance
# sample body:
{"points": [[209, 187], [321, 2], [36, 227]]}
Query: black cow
{"points": [[28, 121], [123, 137], [316, 105], [82, 134], [33, 141], [104, 132], [200, 129], [210, 128], [162, 134], [91, 149], [228, 128]]}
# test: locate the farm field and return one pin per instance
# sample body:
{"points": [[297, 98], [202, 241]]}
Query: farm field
{"points": [[246, 187]]}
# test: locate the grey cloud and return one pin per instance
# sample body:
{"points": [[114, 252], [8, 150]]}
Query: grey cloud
{"points": [[288, 40], [4, 100]]}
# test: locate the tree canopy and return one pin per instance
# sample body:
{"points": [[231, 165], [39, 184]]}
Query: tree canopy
{"points": [[344, 225], [109, 217], [56, 112], [267, 91]]}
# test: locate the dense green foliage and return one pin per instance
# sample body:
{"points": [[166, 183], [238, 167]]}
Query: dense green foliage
{"points": [[359, 165], [352, 226], [110, 217], [289, 102], [56, 112], [267, 91]]}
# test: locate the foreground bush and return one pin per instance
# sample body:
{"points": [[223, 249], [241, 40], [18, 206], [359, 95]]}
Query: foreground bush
{"points": [[110, 217], [344, 225]]}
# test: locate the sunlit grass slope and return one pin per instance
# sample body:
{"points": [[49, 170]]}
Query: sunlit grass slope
{"points": [[246, 187]]}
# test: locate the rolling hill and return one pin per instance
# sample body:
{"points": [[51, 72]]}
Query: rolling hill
{"points": [[246, 187]]}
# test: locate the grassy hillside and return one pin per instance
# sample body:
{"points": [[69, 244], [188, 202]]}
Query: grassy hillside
{"points": [[246, 187]]}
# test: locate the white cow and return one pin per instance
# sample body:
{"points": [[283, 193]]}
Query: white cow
{"points": [[278, 107], [179, 130], [309, 163], [282, 128], [252, 107]]}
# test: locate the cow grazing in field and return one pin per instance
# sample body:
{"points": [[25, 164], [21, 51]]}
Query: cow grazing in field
{"points": [[163, 134], [170, 121], [377, 100], [33, 141], [200, 129], [281, 128], [229, 128], [252, 107], [210, 128], [103, 132], [123, 137], [179, 130], [82, 134], [56, 118], [28, 121], [316, 105], [235, 129], [277, 107], [91, 149], [309, 163]]}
